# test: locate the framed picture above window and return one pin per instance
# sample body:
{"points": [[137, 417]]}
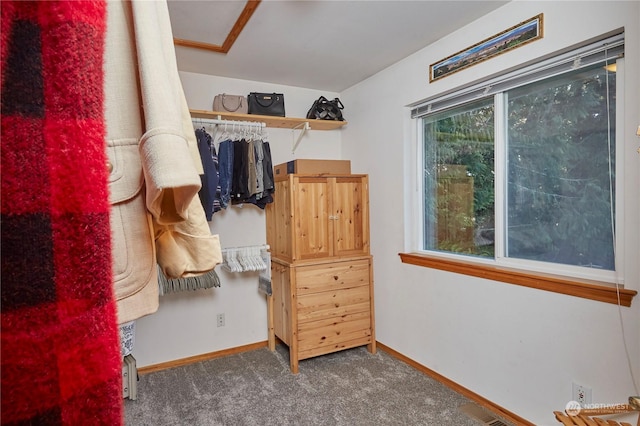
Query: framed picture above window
{"points": [[516, 36]]}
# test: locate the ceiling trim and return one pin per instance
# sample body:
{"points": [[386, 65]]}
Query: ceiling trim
{"points": [[242, 20]]}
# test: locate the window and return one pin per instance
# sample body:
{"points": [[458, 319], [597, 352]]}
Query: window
{"points": [[520, 170], [560, 169], [458, 162]]}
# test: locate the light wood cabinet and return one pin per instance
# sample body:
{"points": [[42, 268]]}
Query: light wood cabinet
{"points": [[322, 280], [315, 217]]}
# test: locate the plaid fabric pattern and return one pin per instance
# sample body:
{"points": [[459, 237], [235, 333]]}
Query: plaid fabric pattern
{"points": [[61, 361]]}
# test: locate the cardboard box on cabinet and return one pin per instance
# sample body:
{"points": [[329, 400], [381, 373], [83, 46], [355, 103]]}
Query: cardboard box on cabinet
{"points": [[314, 167]]}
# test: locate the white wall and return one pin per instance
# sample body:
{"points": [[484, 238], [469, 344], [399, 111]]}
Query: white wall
{"points": [[520, 348], [185, 324]]}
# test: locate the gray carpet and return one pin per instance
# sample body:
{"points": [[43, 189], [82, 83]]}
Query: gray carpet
{"points": [[351, 387]]}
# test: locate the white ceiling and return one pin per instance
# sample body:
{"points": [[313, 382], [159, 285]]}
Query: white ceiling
{"points": [[319, 44]]}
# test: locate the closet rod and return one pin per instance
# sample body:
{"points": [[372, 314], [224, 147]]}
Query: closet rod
{"points": [[229, 122]]}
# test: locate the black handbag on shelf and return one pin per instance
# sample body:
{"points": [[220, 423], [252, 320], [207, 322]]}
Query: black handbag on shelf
{"points": [[266, 103], [324, 109]]}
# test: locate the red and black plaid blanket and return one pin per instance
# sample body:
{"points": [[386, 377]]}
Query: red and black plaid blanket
{"points": [[61, 361]]}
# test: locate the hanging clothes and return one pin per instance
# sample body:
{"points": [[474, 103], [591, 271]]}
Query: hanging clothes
{"points": [[209, 193], [225, 165], [242, 170], [253, 179], [259, 152], [267, 177], [216, 164], [267, 162], [151, 145], [240, 183]]}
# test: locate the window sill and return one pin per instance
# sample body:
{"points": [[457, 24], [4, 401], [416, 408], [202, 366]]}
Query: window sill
{"points": [[574, 287]]}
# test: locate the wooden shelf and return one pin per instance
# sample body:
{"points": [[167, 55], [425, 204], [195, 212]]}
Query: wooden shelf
{"points": [[271, 121]]}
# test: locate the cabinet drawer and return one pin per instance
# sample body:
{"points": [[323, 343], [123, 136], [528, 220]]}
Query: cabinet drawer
{"points": [[327, 338], [330, 304], [357, 315], [329, 277]]}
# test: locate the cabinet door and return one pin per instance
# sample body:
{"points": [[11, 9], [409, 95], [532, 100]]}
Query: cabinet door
{"points": [[350, 215], [311, 199], [279, 222]]}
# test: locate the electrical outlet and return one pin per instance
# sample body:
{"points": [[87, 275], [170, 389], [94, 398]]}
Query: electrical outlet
{"points": [[581, 394], [220, 319]]}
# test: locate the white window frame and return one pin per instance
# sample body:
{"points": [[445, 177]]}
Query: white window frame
{"points": [[414, 232]]}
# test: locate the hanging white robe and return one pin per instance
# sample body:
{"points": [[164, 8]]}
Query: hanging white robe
{"points": [[153, 155]]}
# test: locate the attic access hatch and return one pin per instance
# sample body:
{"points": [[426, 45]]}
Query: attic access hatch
{"points": [[222, 14]]}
